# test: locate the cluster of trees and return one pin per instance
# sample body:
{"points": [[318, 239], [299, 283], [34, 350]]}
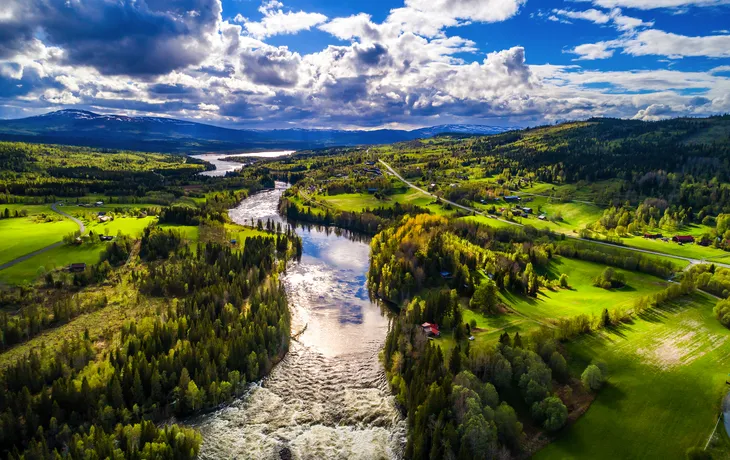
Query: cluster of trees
{"points": [[715, 280], [609, 279], [7, 214], [195, 353], [456, 406]]}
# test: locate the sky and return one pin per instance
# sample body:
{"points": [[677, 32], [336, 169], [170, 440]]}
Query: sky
{"points": [[367, 64]]}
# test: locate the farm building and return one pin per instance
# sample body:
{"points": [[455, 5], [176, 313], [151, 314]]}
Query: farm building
{"points": [[79, 267], [431, 330], [542, 217], [104, 219], [683, 239], [527, 210], [653, 236], [512, 198]]}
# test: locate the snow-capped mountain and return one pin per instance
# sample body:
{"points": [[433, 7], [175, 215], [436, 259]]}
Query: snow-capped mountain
{"points": [[81, 127]]}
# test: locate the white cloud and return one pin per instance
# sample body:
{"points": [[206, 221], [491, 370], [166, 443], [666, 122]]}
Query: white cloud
{"points": [[278, 22], [657, 42], [593, 15], [653, 4], [356, 26], [401, 71], [615, 16], [592, 51]]}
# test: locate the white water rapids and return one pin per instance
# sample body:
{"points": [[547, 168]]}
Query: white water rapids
{"points": [[328, 398]]}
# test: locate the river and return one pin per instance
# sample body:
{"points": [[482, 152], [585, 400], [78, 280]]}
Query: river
{"points": [[223, 167], [328, 398]]}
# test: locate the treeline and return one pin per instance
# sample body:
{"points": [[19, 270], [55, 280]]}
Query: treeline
{"points": [[616, 257], [196, 353]]}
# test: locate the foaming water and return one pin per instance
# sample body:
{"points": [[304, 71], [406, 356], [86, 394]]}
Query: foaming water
{"points": [[328, 397]]}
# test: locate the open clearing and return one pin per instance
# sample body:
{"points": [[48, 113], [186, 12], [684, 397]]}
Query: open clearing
{"points": [[667, 374]]}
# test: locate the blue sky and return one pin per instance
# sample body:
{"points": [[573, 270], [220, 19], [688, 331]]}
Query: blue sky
{"points": [[397, 63]]}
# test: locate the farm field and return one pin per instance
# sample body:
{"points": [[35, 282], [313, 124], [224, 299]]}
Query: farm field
{"points": [[190, 232], [574, 215], [240, 233], [132, 226], [693, 251], [666, 380], [353, 202], [357, 202], [582, 297], [59, 257], [23, 235], [32, 209]]}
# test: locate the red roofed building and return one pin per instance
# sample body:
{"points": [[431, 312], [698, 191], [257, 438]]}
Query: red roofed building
{"points": [[683, 239], [431, 329]]}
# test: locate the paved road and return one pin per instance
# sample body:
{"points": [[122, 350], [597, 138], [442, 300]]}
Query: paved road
{"points": [[628, 248], [82, 229]]}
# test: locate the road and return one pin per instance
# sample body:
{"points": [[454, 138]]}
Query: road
{"points": [[628, 248], [54, 207]]}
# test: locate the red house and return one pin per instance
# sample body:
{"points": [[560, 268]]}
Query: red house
{"points": [[683, 239], [431, 330]]}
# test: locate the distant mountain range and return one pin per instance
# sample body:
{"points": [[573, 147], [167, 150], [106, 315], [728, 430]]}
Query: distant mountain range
{"points": [[80, 127]]}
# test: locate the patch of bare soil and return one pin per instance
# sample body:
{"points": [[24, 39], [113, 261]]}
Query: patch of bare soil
{"points": [[680, 346]]}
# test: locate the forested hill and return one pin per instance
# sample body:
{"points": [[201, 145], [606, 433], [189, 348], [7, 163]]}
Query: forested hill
{"points": [[156, 134], [604, 148]]}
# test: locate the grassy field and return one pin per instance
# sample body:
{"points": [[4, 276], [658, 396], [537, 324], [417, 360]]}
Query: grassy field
{"points": [[132, 226], [190, 232], [693, 251], [529, 313], [582, 297], [59, 257], [31, 209], [240, 233], [23, 235], [353, 202], [667, 374]]}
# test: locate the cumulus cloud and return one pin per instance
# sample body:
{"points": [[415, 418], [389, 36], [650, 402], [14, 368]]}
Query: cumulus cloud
{"points": [[278, 22], [408, 69], [116, 37]]}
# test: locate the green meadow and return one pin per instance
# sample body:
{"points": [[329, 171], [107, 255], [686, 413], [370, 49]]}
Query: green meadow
{"points": [[666, 380], [62, 256], [23, 235], [132, 226], [582, 296]]}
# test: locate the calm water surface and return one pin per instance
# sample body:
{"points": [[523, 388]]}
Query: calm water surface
{"points": [[223, 167], [328, 398]]}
